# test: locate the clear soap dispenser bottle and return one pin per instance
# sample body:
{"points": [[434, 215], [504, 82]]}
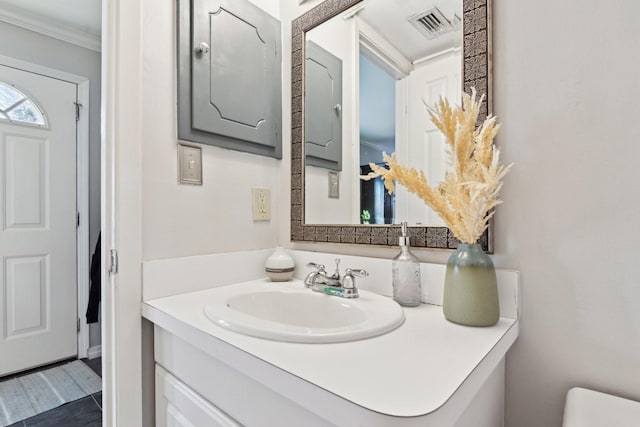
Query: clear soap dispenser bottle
{"points": [[406, 274]]}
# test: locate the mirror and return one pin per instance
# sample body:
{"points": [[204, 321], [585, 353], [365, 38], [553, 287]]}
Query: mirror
{"points": [[361, 74]]}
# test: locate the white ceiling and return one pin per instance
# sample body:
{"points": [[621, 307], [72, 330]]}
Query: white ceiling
{"points": [[83, 16], [389, 18]]}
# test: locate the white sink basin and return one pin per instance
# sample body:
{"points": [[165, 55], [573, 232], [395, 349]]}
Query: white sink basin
{"points": [[290, 312]]}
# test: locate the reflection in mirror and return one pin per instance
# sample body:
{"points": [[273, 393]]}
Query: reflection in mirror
{"points": [[368, 74], [328, 208], [377, 131]]}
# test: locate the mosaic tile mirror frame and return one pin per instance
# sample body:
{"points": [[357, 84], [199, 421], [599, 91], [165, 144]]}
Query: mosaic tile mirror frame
{"points": [[477, 72]]}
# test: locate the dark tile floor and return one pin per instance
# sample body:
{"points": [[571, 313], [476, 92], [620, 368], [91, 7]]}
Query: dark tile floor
{"points": [[85, 412]]}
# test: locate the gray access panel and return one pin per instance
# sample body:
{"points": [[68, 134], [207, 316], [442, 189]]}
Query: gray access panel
{"points": [[322, 108], [229, 76]]}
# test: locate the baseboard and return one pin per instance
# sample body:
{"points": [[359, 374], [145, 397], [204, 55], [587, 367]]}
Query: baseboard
{"points": [[95, 351]]}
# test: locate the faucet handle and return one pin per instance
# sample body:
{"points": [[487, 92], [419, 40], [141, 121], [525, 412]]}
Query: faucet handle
{"points": [[358, 272], [319, 267], [349, 282]]}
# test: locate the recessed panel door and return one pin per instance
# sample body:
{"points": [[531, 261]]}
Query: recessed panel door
{"points": [[427, 151], [38, 226], [236, 78]]}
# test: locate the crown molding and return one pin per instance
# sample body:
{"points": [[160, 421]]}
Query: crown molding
{"points": [[56, 30]]}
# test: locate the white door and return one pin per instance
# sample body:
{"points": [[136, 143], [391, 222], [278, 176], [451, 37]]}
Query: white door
{"points": [[37, 223], [427, 82]]}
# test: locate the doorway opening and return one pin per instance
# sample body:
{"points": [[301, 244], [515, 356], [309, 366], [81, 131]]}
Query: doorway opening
{"points": [[377, 136], [45, 221]]}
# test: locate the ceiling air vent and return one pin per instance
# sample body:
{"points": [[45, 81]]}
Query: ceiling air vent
{"points": [[432, 23]]}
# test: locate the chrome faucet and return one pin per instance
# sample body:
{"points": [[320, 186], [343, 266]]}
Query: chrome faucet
{"points": [[345, 287]]}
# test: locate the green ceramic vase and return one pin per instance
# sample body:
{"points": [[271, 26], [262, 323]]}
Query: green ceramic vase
{"points": [[471, 288]]}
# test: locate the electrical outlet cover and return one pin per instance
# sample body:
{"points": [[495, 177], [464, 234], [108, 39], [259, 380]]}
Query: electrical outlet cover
{"points": [[261, 204]]}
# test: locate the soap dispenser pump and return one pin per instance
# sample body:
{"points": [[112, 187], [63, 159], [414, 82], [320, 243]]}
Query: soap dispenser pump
{"points": [[406, 274]]}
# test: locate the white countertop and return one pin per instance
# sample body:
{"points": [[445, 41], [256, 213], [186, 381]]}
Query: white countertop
{"points": [[421, 364]]}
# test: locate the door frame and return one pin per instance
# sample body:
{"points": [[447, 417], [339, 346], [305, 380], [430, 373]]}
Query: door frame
{"points": [[379, 50], [121, 192], [82, 187]]}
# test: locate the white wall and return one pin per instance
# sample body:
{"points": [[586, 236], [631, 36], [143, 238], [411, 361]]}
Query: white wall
{"points": [[183, 220], [566, 89], [39, 49]]}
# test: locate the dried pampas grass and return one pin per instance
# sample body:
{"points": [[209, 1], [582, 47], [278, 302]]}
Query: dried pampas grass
{"points": [[469, 192]]}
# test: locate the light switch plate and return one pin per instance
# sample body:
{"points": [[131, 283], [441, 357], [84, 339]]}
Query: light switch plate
{"points": [[189, 164], [261, 204], [334, 185]]}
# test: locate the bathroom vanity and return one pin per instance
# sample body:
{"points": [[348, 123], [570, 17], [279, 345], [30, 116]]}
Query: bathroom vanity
{"points": [[426, 372]]}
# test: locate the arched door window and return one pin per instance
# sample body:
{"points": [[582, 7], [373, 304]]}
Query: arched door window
{"points": [[16, 107]]}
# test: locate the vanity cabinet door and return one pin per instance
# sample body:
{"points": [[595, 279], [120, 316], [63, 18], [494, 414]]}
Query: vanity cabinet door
{"points": [[179, 406], [229, 76], [323, 108]]}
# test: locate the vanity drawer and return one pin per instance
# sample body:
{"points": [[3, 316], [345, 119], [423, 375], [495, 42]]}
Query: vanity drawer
{"points": [[178, 405]]}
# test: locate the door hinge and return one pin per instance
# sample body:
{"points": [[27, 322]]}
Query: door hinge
{"points": [[78, 105], [77, 219], [114, 262], [78, 324]]}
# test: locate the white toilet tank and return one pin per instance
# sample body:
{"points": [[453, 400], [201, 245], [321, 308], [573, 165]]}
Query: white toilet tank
{"points": [[588, 408]]}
